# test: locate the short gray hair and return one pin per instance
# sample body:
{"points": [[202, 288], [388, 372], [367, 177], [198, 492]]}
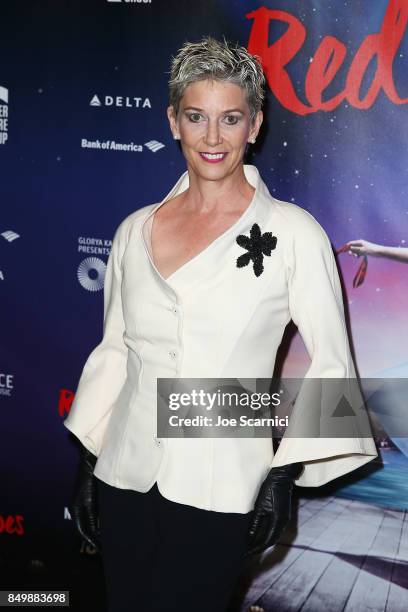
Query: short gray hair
{"points": [[221, 61]]}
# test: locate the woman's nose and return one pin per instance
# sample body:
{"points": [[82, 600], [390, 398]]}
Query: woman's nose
{"points": [[212, 136]]}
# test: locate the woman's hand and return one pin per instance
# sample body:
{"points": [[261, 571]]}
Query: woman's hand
{"points": [[272, 509], [83, 509], [364, 247]]}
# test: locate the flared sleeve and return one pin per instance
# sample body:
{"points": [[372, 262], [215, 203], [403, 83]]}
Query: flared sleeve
{"points": [[104, 372], [316, 307]]}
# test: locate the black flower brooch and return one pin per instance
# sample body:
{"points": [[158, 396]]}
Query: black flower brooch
{"points": [[257, 245]]}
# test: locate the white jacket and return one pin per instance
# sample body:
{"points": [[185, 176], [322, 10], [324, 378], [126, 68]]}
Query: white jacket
{"points": [[211, 319]]}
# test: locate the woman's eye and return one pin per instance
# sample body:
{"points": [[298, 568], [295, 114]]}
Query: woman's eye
{"points": [[195, 117], [231, 119]]}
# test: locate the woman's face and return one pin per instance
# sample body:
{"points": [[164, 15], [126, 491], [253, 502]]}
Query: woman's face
{"points": [[214, 127]]}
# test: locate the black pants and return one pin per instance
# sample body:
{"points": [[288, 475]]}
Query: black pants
{"points": [[161, 556]]}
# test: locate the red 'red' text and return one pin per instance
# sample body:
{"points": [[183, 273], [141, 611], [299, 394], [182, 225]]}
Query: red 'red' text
{"points": [[65, 401], [327, 60], [12, 524]]}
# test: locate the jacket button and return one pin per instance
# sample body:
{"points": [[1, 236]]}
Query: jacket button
{"points": [[173, 354], [157, 442]]}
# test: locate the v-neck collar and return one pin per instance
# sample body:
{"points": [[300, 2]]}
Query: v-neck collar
{"points": [[253, 177]]}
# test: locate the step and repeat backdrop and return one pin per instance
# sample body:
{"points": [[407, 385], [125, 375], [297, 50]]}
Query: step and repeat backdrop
{"points": [[84, 141]]}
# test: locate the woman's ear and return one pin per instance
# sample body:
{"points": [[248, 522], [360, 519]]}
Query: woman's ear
{"points": [[256, 125], [172, 121]]}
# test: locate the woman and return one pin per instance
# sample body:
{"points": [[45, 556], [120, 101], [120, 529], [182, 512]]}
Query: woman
{"points": [[202, 285]]}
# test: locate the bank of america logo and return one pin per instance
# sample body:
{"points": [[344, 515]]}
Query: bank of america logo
{"points": [[154, 145], [10, 235]]}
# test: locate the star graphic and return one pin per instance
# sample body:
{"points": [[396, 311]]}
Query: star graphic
{"points": [[257, 245]]}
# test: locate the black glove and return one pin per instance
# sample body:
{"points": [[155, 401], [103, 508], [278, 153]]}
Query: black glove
{"points": [[83, 509], [272, 509]]}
